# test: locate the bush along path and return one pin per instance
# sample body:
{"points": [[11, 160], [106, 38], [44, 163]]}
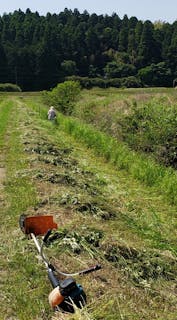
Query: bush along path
{"points": [[103, 216]]}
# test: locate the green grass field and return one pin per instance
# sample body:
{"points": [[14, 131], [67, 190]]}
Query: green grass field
{"points": [[113, 206]]}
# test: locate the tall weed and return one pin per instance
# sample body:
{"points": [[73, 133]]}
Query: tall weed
{"points": [[151, 128]]}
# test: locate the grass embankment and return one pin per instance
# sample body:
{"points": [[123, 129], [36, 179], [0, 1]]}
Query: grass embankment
{"points": [[104, 215], [138, 166], [144, 119]]}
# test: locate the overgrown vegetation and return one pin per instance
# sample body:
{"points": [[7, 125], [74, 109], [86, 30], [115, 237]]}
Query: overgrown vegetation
{"points": [[151, 128], [144, 120]]}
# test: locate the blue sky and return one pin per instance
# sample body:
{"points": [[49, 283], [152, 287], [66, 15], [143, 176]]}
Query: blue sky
{"points": [[153, 10]]}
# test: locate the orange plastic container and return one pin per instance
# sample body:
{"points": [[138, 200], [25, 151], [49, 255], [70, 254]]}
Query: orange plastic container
{"points": [[39, 225]]}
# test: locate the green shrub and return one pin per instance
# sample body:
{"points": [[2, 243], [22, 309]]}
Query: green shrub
{"points": [[63, 96], [116, 82], [156, 75], [9, 87], [131, 82], [88, 83]]}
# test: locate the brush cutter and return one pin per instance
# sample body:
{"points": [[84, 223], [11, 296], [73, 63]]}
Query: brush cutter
{"points": [[66, 293]]}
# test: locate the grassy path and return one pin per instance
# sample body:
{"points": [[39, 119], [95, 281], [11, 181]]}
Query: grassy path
{"points": [[18, 291], [111, 218]]}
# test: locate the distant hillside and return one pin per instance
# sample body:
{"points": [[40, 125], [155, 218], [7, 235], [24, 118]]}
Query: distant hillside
{"points": [[37, 52]]}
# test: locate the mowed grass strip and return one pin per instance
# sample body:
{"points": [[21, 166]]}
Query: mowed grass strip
{"points": [[23, 292]]}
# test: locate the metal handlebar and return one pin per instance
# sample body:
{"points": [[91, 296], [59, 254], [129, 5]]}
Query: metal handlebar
{"points": [[40, 249]]}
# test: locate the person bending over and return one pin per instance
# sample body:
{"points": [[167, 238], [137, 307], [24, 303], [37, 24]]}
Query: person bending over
{"points": [[51, 113]]}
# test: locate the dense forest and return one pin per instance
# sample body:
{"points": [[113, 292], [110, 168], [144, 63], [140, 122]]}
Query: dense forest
{"points": [[37, 52]]}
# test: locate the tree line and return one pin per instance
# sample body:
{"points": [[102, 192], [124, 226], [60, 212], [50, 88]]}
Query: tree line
{"points": [[37, 52]]}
